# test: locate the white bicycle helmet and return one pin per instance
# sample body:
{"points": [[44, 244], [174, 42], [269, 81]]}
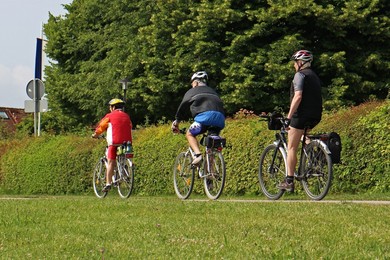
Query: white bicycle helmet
{"points": [[201, 76], [304, 55]]}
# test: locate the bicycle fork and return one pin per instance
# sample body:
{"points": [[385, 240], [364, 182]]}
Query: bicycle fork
{"points": [[272, 169]]}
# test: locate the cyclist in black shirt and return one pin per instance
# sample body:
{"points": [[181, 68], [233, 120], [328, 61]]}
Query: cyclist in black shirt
{"points": [[305, 109], [203, 104]]}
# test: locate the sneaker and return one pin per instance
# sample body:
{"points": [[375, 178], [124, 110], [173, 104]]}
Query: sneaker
{"points": [[286, 186], [106, 188], [197, 160]]}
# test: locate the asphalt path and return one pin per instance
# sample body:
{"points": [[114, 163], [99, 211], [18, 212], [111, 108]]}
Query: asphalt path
{"points": [[373, 202]]}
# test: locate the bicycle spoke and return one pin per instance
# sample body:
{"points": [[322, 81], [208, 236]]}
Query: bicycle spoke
{"points": [[317, 171], [272, 171], [126, 177], [183, 176], [216, 174], [99, 178]]}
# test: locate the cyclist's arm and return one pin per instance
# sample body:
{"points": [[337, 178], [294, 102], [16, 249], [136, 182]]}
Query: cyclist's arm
{"points": [[102, 126], [295, 103], [298, 82]]}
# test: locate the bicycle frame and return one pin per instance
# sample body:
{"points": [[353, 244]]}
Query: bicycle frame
{"points": [[281, 140], [209, 154], [192, 153]]}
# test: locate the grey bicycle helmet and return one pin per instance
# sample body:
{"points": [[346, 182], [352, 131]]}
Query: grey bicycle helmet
{"points": [[201, 76], [304, 55]]}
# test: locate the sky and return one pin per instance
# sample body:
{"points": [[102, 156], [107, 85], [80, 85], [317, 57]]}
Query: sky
{"points": [[20, 25]]}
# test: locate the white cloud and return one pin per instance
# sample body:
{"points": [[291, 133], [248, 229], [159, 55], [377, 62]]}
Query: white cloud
{"points": [[13, 85], [21, 23]]}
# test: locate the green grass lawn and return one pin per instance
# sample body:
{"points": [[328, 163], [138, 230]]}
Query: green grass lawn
{"points": [[84, 227]]}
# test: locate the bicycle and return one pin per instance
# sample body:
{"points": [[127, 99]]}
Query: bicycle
{"points": [[123, 178], [314, 168], [212, 169]]}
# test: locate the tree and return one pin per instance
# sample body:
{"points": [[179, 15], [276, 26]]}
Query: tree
{"points": [[244, 46]]}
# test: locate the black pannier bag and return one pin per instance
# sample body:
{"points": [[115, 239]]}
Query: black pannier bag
{"points": [[274, 123], [213, 141], [333, 141]]}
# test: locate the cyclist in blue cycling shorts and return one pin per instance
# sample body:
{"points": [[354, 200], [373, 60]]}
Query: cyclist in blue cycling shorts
{"points": [[205, 106]]}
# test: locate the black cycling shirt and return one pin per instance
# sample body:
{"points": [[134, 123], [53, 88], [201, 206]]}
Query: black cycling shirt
{"points": [[308, 82], [198, 100]]}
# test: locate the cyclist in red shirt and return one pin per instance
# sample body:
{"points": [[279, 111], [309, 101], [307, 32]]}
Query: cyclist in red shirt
{"points": [[118, 126]]}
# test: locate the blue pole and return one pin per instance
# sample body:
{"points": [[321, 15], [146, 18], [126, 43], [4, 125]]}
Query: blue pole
{"points": [[38, 60]]}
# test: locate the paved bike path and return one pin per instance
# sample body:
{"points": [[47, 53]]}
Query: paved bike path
{"points": [[373, 202]]}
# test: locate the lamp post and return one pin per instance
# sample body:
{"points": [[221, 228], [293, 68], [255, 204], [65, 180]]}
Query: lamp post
{"points": [[124, 87]]}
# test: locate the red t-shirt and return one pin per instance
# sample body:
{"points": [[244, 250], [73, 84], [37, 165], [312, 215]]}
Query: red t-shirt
{"points": [[118, 126]]}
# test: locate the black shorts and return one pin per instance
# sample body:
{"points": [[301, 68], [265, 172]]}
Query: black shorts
{"points": [[302, 122]]}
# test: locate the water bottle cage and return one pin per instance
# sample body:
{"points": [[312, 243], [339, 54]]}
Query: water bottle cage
{"points": [[128, 148], [119, 150]]}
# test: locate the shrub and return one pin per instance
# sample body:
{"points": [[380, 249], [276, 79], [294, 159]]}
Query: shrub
{"points": [[64, 164], [47, 165], [365, 158]]}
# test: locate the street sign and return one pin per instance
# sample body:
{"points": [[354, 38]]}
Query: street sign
{"points": [[29, 106], [39, 88]]}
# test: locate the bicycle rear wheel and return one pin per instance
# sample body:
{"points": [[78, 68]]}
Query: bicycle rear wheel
{"points": [[272, 171], [183, 175], [99, 178], [214, 181], [317, 171], [126, 180]]}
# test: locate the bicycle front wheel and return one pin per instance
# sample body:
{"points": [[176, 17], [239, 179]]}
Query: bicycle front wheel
{"points": [[126, 180], [215, 175], [99, 178], [272, 171], [183, 175], [317, 171]]}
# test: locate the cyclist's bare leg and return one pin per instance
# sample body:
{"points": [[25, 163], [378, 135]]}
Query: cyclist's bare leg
{"points": [[193, 142], [294, 138], [110, 170]]}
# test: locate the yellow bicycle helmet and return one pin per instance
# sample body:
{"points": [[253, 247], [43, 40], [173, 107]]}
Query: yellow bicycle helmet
{"points": [[116, 101]]}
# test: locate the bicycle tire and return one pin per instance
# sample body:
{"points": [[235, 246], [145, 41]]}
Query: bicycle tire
{"points": [[183, 175], [317, 170], [214, 182], [126, 178], [99, 178], [272, 172]]}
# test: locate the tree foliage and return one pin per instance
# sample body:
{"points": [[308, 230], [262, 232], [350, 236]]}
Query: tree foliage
{"points": [[244, 46]]}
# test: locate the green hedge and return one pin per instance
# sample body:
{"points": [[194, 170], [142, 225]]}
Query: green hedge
{"points": [[364, 131], [48, 165], [63, 164]]}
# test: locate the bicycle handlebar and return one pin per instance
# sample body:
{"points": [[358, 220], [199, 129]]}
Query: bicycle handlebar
{"points": [[264, 117], [282, 119], [181, 131], [99, 137]]}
